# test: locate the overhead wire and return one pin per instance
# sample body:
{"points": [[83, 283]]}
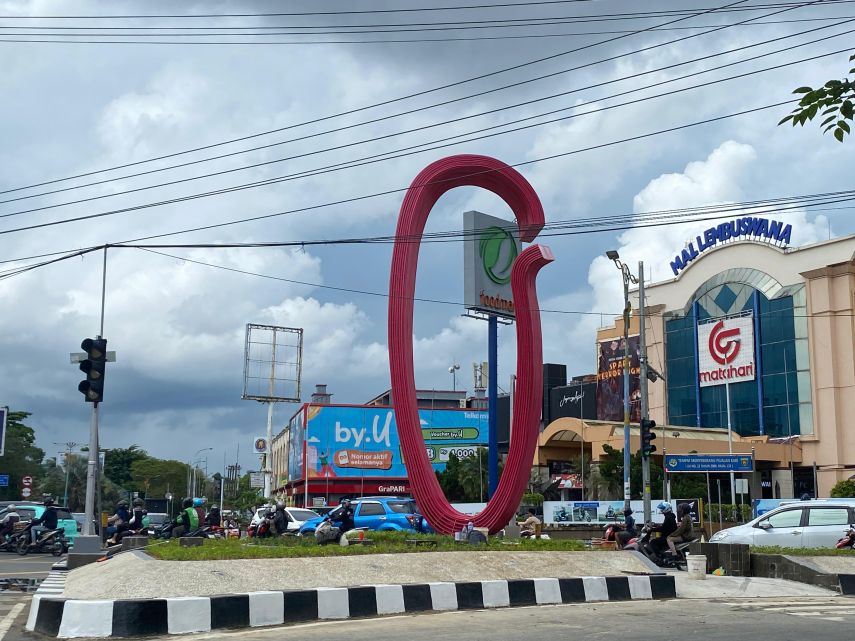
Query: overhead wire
{"points": [[409, 96], [416, 129]]}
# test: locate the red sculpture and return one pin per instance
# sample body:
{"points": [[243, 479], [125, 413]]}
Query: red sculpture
{"points": [[431, 183]]}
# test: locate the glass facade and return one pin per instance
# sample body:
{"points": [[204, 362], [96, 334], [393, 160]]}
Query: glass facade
{"points": [[777, 402]]}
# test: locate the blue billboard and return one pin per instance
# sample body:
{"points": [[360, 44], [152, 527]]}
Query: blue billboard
{"points": [[709, 463], [362, 441]]}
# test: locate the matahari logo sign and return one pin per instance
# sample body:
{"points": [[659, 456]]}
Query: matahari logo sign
{"points": [[498, 250], [726, 351]]}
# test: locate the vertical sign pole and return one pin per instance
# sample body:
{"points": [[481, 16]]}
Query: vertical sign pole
{"points": [[268, 468], [730, 442], [645, 402], [626, 460], [492, 406]]}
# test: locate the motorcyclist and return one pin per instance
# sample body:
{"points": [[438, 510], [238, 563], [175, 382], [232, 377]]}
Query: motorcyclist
{"points": [[49, 520], [629, 531], [668, 525], [133, 524], [7, 525], [187, 520], [280, 519], [345, 516], [684, 529], [212, 518], [120, 517], [199, 506]]}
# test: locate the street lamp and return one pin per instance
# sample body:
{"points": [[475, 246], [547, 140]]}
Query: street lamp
{"points": [[628, 278], [453, 371], [193, 481]]}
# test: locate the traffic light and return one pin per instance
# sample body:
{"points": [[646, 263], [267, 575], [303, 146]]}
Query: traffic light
{"points": [[647, 436], [96, 358]]}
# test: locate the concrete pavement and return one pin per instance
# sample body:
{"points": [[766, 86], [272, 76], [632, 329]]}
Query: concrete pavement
{"points": [[829, 619], [31, 566]]}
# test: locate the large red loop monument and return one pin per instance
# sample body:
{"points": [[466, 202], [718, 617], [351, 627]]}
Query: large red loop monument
{"points": [[431, 183]]}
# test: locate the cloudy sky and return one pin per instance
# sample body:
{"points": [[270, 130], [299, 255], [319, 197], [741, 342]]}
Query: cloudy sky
{"points": [[178, 327]]}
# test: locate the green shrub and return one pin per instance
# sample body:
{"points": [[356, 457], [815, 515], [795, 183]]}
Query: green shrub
{"points": [[532, 498], [843, 490]]}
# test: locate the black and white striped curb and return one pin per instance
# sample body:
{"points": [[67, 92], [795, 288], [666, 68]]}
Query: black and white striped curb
{"points": [[53, 585], [71, 618]]}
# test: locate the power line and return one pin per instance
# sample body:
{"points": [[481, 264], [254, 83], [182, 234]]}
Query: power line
{"points": [[400, 98], [385, 156], [412, 130]]}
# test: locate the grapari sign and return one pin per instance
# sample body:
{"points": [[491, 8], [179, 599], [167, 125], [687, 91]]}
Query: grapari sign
{"points": [[747, 228]]}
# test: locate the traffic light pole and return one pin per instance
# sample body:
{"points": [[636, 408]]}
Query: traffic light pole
{"points": [[92, 468], [645, 406]]}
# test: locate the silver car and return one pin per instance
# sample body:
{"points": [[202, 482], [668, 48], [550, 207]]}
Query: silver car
{"points": [[804, 524]]}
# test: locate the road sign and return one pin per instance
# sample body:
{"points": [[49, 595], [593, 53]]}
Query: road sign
{"points": [[26, 492], [709, 463], [27, 481], [256, 479], [741, 486], [4, 480]]}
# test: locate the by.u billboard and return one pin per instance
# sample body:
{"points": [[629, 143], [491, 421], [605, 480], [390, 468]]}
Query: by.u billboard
{"points": [[491, 247], [726, 351], [362, 441], [610, 355]]}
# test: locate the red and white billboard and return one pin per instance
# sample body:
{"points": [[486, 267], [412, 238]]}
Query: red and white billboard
{"points": [[726, 351]]}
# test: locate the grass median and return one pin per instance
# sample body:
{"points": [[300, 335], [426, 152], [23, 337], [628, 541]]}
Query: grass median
{"points": [[380, 543], [768, 549]]}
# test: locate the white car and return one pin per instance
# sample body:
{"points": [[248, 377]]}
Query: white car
{"points": [[296, 516], [804, 524]]}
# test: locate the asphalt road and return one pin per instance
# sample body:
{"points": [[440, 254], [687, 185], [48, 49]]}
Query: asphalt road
{"points": [[831, 619], [35, 566]]}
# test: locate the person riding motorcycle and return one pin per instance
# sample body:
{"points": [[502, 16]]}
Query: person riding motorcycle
{"points": [[345, 516], [629, 532], [199, 506], [684, 529], [187, 520], [668, 525], [133, 524], [120, 517], [7, 525], [212, 518], [280, 519], [49, 520]]}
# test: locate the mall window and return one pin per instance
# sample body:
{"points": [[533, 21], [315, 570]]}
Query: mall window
{"points": [[777, 402]]}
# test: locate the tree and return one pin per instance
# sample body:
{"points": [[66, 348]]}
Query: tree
{"points": [[843, 489], [77, 466], [21, 457], [118, 462], [836, 99], [449, 479], [154, 476]]}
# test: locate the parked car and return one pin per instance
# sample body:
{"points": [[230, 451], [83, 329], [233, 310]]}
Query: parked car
{"points": [[297, 516], [382, 513], [814, 524], [157, 518], [29, 511]]}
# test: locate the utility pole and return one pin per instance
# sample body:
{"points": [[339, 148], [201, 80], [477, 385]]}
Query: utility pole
{"points": [[70, 445], [645, 403]]}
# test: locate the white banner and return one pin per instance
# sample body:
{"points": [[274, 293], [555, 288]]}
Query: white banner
{"points": [[726, 351], [583, 512]]}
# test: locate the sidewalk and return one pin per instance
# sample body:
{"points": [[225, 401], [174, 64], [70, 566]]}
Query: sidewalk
{"points": [[738, 587]]}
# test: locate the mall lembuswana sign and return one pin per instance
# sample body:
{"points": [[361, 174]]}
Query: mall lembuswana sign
{"points": [[747, 228]]}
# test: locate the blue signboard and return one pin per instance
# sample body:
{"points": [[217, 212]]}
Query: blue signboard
{"points": [[362, 441], [4, 480], [709, 463]]}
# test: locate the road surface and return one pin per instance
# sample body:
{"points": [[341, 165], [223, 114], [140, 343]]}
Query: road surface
{"points": [[31, 566]]}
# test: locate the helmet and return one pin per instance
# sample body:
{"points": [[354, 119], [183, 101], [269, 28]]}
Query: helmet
{"points": [[122, 503], [11, 508], [215, 507], [664, 507], [138, 502], [345, 502], [627, 512], [49, 500], [187, 503], [198, 502], [280, 506]]}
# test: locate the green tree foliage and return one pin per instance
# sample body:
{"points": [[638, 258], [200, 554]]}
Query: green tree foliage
{"points": [[449, 480], [154, 477], [21, 457], [843, 490], [464, 480], [834, 102], [118, 462], [248, 498], [53, 483]]}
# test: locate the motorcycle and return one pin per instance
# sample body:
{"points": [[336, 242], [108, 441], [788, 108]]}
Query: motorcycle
{"points": [[9, 542], [848, 540], [52, 541], [642, 544]]}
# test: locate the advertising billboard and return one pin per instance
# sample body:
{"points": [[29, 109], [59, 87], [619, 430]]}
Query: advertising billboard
{"points": [[492, 245], [726, 350], [562, 512], [362, 441], [610, 380], [577, 400]]}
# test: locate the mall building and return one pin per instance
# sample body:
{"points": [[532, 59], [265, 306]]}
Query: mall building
{"points": [[759, 336]]}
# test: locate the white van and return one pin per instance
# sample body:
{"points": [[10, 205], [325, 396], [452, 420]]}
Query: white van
{"points": [[802, 524]]}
